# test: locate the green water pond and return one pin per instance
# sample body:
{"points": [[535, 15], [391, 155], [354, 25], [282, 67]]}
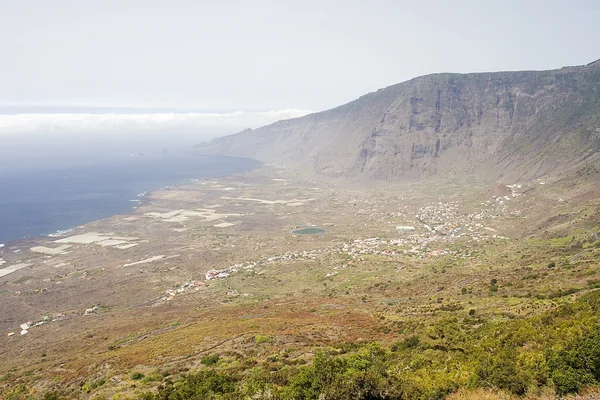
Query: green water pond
{"points": [[313, 230]]}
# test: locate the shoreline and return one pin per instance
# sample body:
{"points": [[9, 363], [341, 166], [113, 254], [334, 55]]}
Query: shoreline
{"points": [[141, 201]]}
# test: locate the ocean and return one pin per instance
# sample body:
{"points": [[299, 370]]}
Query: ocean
{"points": [[44, 198]]}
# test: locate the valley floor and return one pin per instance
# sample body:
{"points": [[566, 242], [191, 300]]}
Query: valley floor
{"points": [[212, 275]]}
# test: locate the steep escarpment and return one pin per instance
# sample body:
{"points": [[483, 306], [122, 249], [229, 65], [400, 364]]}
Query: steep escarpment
{"points": [[511, 125]]}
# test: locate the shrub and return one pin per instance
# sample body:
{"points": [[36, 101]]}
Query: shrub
{"points": [[90, 386], [262, 339], [410, 342], [136, 376], [562, 293], [577, 366], [210, 360], [200, 385], [362, 376]]}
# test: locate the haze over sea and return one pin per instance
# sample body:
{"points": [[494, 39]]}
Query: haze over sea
{"points": [[59, 170]]}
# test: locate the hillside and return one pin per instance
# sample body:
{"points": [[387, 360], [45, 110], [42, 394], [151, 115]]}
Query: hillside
{"points": [[275, 285], [410, 290], [503, 125]]}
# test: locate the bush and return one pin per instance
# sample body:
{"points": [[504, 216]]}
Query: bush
{"points": [[410, 342], [91, 386], [362, 376], [262, 339], [577, 366], [153, 377], [562, 293], [136, 376], [210, 360], [200, 385], [497, 367]]}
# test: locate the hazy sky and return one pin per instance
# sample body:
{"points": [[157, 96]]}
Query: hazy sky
{"points": [[271, 54]]}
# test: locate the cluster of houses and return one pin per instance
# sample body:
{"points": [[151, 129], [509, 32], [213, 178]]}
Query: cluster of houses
{"points": [[171, 293], [445, 220], [438, 213], [411, 245], [439, 224], [501, 201], [225, 272], [26, 326], [291, 255], [288, 256], [367, 246]]}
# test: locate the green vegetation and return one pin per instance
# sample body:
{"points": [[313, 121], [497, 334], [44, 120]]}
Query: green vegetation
{"points": [[499, 316], [559, 350], [262, 339], [136, 376], [210, 360], [93, 385], [199, 385]]}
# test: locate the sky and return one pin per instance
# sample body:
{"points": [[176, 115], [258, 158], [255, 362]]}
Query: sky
{"points": [[224, 56]]}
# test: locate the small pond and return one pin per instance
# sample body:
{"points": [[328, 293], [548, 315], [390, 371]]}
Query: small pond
{"points": [[311, 230]]}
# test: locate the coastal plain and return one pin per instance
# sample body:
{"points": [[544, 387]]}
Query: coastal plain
{"points": [[220, 266]]}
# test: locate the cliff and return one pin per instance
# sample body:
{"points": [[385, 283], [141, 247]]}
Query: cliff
{"points": [[503, 125]]}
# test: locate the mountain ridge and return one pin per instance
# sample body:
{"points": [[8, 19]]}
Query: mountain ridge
{"points": [[516, 125]]}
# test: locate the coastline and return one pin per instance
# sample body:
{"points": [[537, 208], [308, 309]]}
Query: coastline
{"points": [[141, 200], [120, 241]]}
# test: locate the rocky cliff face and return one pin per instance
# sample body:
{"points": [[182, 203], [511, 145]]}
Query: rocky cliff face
{"points": [[505, 125]]}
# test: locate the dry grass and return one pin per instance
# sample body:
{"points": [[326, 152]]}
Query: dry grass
{"points": [[480, 394], [587, 394], [489, 394]]}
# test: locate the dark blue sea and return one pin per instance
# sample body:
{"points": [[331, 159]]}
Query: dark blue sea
{"points": [[44, 198]]}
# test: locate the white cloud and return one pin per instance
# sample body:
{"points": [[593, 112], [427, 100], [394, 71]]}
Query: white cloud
{"points": [[207, 124]]}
